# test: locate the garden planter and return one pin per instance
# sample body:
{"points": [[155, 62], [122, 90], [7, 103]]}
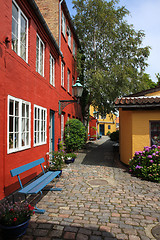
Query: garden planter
{"points": [[12, 232], [69, 160]]}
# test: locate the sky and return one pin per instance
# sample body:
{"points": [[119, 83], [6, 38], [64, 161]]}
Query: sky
{"points": [[144, 15]]}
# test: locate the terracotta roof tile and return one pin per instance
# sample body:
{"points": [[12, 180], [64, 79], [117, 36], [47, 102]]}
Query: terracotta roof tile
{"points": [[143, 100]]}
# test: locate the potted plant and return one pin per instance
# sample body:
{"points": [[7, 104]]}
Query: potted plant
{"points": [[70, 157], [56, 161], [14, 218]]}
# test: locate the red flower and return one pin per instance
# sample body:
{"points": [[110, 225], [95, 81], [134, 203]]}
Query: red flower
{"points": [[30, 207], [11, 210], [14, 219]]}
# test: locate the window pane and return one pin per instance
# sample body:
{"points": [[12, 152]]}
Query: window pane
{"points": [[23, 139], [16, 124], [11, 107], [16, 140], [10, 124], [23, 124], [10, 140], [23, 110], [14, 11], [27, 138], [27, 110], [17, 108], [27, 125]]}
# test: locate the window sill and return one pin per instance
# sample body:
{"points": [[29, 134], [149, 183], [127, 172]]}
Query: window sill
{"points": [[9, 151]]}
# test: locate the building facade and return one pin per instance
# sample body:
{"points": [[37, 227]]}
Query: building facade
{"points": [[104, 124], [139, 122], [35, 74]]}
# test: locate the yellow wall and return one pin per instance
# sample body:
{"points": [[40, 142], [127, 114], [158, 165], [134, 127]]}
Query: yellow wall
{"points": [[109, 120], [125, 131], [135, 131], [153, 94]]}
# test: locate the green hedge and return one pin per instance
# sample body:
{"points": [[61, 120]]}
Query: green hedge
{"points": [[75, 135], [114, 136]]}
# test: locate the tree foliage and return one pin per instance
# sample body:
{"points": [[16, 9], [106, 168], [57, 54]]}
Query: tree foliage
{"points": [[113, 58]]}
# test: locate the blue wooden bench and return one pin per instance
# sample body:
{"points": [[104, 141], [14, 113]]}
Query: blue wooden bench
{"points": [[38, 184]]}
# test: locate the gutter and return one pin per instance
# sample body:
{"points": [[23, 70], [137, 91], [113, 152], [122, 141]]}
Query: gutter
{"points": [[43, 22]]}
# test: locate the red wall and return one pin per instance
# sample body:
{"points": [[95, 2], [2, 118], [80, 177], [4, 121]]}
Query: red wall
{"points": [[20, 79], [92, 131]]}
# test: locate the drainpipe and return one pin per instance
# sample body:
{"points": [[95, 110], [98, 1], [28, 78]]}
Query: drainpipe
{"points": [[60, 3]]}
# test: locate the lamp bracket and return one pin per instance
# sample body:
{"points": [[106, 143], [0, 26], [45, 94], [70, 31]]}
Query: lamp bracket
{"points": [[63, 104]]}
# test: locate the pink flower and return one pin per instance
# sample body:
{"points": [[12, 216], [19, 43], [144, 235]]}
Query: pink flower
{"points": [[151, 161]]}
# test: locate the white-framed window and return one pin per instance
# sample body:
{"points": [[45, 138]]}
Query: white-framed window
{"points": [[63, 24], [62, 126], [19, 32], [68, 80], [39, 56], [52, 70], [69, 36], [62, 74], [74, 47], [40, 125], [18, 124]]}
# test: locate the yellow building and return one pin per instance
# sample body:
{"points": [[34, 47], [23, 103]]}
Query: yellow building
{"points": [[139, 122], [104, 125]]}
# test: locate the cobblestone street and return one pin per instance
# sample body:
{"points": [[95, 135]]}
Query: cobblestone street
{"points": [[99, 200]]}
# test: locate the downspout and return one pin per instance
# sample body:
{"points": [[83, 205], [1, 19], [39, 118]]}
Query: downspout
{"points": [[60, 3]]}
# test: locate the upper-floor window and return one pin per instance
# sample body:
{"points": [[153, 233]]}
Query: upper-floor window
{"points": [[63, 24], [19, 32], [40, 121], [52, 70], [68, 80], [74, 47], [69, 36], [18, 124], [62, 74], [39, 56]]}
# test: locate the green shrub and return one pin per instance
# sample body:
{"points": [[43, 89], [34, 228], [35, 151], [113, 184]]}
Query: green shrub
{"points": [[115, 136], [146, 164], [75, 135]]}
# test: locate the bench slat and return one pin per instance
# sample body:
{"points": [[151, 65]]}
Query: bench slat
{"points": [[26, 167], [39, 183]]}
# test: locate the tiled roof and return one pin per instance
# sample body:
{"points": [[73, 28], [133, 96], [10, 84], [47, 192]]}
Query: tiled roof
{"points": [[141, 101]]}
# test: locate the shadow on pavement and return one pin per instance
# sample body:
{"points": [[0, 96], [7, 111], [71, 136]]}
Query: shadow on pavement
{"points": [[102, 155], [43, 230]]}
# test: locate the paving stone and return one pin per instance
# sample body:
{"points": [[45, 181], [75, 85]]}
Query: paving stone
{"points": [[122, 209], [81, 236], [69, 235]]}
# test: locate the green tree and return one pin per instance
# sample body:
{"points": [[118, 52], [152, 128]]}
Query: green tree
{"points": [[113, 58]]}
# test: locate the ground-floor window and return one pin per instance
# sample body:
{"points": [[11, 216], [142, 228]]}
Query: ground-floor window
{"points": [[18, 124], [155, 132], [40, 120]]}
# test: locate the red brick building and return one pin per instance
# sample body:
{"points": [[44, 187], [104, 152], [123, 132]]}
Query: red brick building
{"points": [[37, 69]]}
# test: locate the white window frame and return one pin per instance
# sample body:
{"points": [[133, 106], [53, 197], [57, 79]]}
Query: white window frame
{"points": [[20, 13], [69, 36], [63, 24], [38, 68], [62, 73], [39, 122], [62, 126], [52, 70], [20, 125], [68, 80]]}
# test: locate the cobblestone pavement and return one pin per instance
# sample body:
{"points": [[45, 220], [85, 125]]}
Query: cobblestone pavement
{"points": [[99, 200]]}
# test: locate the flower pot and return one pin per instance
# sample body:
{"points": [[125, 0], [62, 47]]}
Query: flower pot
{"points": [[12, 232], [69, 160]]}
